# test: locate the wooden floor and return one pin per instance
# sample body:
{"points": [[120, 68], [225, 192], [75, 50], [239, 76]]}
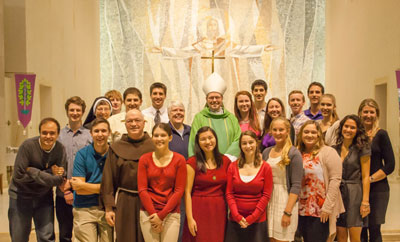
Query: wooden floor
{"points": [[390, 231], [5, 237], [387, 237]]}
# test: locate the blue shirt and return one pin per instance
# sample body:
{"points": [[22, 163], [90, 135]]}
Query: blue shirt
{"points": [[180, 143], [88, 164], [72, 143], [311, 116]]}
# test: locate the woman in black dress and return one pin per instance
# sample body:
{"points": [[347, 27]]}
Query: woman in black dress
{"points": [[382, 164]]}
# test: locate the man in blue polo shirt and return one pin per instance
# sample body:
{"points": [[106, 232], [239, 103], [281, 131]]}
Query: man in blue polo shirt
{"points": [[315, 91], [89, 220]]}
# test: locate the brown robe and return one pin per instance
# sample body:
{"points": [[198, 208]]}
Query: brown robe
{"points": [[120, 170]]}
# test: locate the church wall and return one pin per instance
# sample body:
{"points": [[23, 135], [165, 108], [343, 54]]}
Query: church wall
{"points": [[58, 40], [363, 50], [2, 92], [63, 50]]}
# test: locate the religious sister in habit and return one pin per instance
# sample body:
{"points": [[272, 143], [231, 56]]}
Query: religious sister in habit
{"points": [[101, 108]]}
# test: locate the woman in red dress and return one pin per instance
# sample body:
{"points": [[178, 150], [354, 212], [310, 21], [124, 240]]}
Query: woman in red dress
{"points": [[205, 190]]}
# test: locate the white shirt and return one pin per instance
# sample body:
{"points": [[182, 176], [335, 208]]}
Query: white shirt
{"points": [[151, 113]]}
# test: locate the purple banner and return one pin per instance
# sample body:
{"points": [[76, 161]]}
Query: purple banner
{"points": [[25, 86], [398, 85]]}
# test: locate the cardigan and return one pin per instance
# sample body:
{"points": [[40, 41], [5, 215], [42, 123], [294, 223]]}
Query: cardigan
{"points": [[332, 169], [294, 171]]}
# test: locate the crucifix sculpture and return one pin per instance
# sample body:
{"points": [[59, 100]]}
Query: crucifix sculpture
{"points": [[212, 57]]}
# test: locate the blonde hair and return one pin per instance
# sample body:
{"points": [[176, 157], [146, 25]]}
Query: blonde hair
{"points": [[320, 142], [288, 143], [373, 104], [334, 114]]}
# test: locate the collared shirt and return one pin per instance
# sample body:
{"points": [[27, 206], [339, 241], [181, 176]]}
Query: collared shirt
{"points": [[151, 113], [88, 164], [72, 143], [311, 116], [298, 121]]}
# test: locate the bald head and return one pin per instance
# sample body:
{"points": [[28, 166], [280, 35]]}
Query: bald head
{"points": [[134, 112], [134, 123]]}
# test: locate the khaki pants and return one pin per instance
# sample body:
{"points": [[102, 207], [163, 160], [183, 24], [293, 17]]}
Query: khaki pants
{"points": [[90, 225], [170, 232]]}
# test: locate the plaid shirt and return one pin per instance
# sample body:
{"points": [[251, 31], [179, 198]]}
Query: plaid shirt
{"points": [[298, 120]]}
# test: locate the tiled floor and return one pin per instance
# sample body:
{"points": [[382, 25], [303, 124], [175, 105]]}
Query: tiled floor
{"points": [[391, 228]]}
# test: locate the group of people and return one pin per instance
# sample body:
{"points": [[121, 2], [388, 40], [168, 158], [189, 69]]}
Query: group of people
{"points": [[250, 175]]}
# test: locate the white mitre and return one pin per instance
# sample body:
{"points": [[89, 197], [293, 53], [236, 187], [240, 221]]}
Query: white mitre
{"points": [[214, 83]]}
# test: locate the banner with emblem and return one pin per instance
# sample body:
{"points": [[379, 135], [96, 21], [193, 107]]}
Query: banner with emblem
{"points": [[25, 87]]}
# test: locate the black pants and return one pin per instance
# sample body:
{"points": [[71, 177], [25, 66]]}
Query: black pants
{"points": [[183, 218], [64, 218], [312, 229], [374, 232], [257, 232]]}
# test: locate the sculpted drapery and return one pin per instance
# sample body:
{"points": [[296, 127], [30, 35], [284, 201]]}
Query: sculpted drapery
{"points": [[173, 42]]}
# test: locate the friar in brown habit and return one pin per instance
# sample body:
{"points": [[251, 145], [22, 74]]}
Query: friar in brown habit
{"points": [[118, 192]]}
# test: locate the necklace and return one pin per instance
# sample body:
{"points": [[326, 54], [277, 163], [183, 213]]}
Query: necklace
{"points": [[214, 177]]}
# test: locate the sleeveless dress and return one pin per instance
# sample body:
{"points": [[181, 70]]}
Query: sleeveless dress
{"points": [[208, 203], [351, 187], [277, 204]]}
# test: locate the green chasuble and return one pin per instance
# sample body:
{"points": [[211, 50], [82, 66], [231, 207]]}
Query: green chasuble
{"points": [[225, 125]]}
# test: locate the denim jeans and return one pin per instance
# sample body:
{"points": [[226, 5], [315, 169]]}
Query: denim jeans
{"points": [[22, 211]]}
